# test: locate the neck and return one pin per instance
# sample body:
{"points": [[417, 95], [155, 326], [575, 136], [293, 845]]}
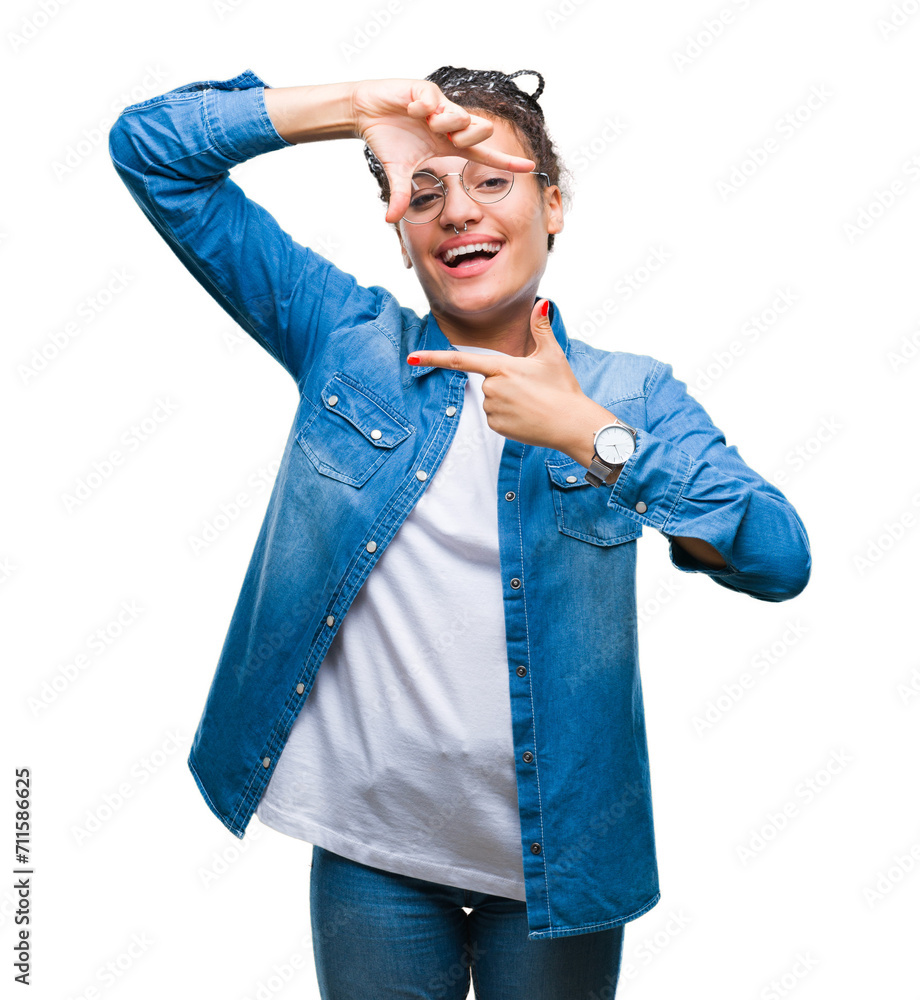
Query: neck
{"points": [[506, 332]]}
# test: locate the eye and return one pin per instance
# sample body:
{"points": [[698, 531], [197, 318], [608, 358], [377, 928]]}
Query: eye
{"points": [[424, 200], [492, 184]]}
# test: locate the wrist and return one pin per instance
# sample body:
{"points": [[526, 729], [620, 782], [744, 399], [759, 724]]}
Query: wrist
{"points": [[313, 112], [578, 439]]}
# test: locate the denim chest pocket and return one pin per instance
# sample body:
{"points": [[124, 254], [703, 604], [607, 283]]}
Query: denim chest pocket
{"points": [[582, 510], [352, 431]]}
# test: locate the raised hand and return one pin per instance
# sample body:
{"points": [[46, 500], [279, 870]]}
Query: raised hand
{"points": [[405, 122]]}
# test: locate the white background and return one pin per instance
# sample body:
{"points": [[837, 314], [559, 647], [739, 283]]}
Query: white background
{"points": [[834, 376]]}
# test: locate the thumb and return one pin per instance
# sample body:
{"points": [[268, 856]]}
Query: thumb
{"points": [[398, 175], [540, 327]]}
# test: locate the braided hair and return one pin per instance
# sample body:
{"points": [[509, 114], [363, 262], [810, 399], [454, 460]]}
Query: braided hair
{"points": [[495, 94]]}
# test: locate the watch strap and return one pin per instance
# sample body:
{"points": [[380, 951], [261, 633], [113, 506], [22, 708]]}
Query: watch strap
{"points": [[598, 471]]}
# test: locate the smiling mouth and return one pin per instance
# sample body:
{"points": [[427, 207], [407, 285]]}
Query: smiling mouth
{"points": [[473, 261]]}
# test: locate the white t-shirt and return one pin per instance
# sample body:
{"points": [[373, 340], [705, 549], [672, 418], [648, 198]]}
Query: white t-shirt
{"points": [[402, 756]]}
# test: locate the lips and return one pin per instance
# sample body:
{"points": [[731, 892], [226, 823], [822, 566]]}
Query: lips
{"points": [[464, 238], [476, 265]]}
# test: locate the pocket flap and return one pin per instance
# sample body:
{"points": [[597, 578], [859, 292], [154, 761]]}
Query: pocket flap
{"points": [[369, 414], [567, 473]]}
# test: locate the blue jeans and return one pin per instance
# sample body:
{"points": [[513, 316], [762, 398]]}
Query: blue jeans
{"points": [[393, 937]]}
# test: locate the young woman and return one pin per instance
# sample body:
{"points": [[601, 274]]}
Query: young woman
{"points": [[451, 537]]}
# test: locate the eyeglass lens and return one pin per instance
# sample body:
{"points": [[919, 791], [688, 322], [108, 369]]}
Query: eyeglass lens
{"points": [[483, 183]]}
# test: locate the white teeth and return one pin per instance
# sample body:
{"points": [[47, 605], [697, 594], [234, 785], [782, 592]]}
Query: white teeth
{"points": [[449, 255]]}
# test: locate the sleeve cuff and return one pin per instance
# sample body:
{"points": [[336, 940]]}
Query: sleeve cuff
{"points": [[237, 121], [651, 481], [661, 485]]}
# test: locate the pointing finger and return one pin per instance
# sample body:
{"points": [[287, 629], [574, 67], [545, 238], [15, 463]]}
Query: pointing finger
{"points": [[481, 364]]}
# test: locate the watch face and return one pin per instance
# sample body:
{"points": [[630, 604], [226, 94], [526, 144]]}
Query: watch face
{"points": [[614, 445]]}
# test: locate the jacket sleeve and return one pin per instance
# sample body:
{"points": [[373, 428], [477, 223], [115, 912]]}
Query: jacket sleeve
{"points": [[687, 482], [174, 152]]}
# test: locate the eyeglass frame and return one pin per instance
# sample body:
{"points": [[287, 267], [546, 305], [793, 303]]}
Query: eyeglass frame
{"points": [[459, 173]]}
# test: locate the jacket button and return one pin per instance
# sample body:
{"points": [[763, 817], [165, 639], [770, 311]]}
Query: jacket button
{"points": [[521, 671], [300, 688], [451, 410], [266, 762], [333, 400], [527, 756], [515, 582], [371, 546], [571, 479], [509, 495], [535, 848], [421, 475], [641, 507], [330, 621], [376, 435]]}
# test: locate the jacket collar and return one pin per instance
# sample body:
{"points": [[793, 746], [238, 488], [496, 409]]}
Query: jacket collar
{"points": [[433, 338]]}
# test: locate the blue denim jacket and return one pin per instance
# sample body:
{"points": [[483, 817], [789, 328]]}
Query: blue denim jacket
{"points": [[368, 435]]}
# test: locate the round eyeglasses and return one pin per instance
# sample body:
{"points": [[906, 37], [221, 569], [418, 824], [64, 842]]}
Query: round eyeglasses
{"points": [[481, 182]]}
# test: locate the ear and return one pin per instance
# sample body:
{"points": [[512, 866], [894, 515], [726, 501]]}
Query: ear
{"points": [[554, 214]]}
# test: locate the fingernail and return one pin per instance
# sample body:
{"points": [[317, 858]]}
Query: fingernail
{"points": [[544, 309], [414, 359]]}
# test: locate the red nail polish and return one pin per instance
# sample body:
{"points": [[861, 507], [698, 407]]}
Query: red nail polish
{"points": [[414, 359], [544, 309]]}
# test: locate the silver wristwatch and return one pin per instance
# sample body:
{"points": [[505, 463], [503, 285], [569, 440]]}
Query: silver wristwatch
{"points": [[613, 444]]}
